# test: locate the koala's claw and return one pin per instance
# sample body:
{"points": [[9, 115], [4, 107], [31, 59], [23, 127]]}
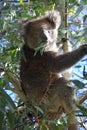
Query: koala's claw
{"points": [[84, 48]]}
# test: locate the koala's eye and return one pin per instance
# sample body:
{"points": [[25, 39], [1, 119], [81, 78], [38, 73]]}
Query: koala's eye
{"points": [[48, 31]]}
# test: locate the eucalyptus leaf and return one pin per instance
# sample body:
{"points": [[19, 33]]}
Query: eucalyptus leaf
{"points": [[84, 18], [8, 99], [1, 120], [78, 83], [11, 119], [39, 110], [79, 10], [40, 48], [83, 110]]}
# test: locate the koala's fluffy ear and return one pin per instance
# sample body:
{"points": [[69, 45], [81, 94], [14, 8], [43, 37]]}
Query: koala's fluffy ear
{"points": [[54, 17]]}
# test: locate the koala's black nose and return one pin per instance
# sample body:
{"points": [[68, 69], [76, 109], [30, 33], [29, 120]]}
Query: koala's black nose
{"points": [[43, 37]]}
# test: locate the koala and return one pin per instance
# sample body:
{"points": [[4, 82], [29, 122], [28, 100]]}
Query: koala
{"points": [[40, 73]]}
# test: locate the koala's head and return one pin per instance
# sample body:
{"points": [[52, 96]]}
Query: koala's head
{"points": [[43, 29]]}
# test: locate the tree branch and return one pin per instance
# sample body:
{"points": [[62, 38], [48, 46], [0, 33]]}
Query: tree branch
{"points": [[82, 99]]}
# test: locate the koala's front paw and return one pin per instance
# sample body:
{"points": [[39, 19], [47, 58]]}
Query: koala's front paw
{"points": [[84, 49]]}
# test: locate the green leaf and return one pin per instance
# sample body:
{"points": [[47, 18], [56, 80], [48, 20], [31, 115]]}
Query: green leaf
{"points": [[11, 119], [8, 99], [78, 66], [39, 110], [78, 83], [21, 2], [83, 110], [40, 48], [79, 10], [60, 126], [1, 120], [44, 127], [84, 18]]}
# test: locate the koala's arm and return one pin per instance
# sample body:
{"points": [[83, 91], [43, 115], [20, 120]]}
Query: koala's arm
{"points": [[58, 63]]}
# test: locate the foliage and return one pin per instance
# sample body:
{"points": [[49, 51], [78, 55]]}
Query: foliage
{"points": [[13, 113]]}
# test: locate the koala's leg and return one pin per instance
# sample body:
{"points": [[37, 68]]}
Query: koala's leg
{"points": [[69, 108], [72, 122], [62, 99]]}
